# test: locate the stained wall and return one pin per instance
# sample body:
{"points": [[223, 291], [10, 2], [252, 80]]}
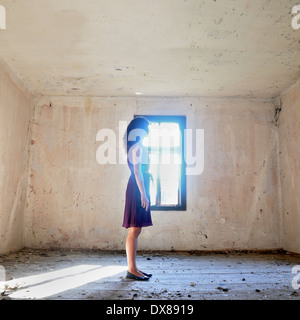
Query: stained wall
{"points": [[75, 202], [16, 113], [289, 139]]}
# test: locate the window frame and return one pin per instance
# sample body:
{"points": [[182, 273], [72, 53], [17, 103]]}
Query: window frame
{"points": [[181, 121]]}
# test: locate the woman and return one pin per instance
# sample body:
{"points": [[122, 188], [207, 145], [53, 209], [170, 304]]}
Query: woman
{"points": [[137, 204]]}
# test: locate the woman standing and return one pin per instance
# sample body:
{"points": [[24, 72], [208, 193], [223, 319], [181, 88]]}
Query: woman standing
{"points": [[137, 203]]}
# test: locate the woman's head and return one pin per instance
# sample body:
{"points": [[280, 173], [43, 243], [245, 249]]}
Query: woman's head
{"points": [[136, 131]]}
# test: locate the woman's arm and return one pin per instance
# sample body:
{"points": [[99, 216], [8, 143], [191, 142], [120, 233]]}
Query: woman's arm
{"points": [[136, 157]]}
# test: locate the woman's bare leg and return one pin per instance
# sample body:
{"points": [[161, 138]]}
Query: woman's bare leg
{"points": [[131, 249]]}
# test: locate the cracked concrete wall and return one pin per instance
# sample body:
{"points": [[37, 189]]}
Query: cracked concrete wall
{"points": [[16, 111], [289, 141], [75, 202]]}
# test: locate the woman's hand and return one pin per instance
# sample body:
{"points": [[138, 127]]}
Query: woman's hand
{"points": [[144, 201]]}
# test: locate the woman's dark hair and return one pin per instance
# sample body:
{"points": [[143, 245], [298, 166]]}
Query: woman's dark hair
{"points": [[137, 123]]}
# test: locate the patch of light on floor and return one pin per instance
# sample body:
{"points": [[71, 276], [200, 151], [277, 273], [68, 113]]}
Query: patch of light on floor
{"points": [[51, 283]]}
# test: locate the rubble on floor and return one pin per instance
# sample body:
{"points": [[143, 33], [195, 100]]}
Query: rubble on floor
{"points": [[95, 274]]}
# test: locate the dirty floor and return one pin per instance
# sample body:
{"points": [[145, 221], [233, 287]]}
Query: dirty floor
{"points": [[67, 274]]}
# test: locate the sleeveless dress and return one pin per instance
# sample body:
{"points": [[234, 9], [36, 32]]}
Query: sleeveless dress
{"points": [[134, 214]]}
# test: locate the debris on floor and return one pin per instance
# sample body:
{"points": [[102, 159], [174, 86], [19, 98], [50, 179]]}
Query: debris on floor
{"points": [[99, 275]]}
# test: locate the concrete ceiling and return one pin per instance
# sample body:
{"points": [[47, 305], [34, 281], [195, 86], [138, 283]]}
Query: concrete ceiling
{"points": [[244, 48]]}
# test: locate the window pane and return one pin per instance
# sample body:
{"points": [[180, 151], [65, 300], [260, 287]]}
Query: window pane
{"points": [[165, 154], [153, 137], [170, 135], [153, 169], [164, 135], [170, 181]]}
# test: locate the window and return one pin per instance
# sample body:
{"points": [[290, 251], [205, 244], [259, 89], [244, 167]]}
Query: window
{"points": [[165, 144]]}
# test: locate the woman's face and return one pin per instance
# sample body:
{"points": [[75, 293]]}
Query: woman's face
{"points": [[137, 135]]}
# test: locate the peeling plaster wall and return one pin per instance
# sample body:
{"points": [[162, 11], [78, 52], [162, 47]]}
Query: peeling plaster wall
{"points": [[289, 139], [75, 202], [16, 111]]}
